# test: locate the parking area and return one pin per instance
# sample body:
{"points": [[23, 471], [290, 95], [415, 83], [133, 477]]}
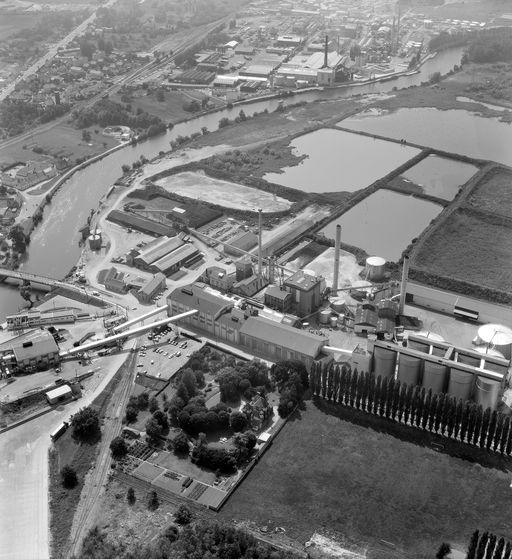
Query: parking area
{"points": [[161, 354]]}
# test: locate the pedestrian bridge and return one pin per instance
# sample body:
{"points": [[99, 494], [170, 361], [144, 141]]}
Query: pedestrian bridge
{"points": [[35, 278]]}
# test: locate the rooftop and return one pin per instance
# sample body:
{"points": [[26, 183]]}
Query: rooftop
{"points": [[196, 297], [302, 280]]}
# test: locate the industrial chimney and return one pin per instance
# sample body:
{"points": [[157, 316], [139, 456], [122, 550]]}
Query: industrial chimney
{"points": [[403, 287], [260, 247], [336, 259], [325, 51]]}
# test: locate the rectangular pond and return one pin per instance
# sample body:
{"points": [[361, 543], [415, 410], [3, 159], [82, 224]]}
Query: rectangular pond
{"points": [[384, 223], [340, 161], [455, 131], [439, 176]]}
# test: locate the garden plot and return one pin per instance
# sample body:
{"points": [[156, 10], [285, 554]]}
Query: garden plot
{"points": [[199, 186]]}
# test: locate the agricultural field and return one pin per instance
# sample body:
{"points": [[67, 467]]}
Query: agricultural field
{"points": [[362, 486], [199, 186], [473, 241]]}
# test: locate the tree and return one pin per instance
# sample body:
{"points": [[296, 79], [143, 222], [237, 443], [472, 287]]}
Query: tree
{"points": [[443, 551], [143, 401], [237, 421], [223, 122], [180, 443], [130, 496], [18, 238], [69, 477], [125, 168], [86, 424], [160, 95], [87, 49], [153, 405], [190, 381], [153, 502], [182, 392], [118, 448], [161, 419], [131, 414], [153, 431], [183, 515]]}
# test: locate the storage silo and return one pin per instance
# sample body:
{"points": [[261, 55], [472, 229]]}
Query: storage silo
{"points": [[375, 268], [334, 321], [497, 337], [468, 359], [94, 242], [461, 384], [325, 316], [434, 376], [337, 304], [487, 392], [384, 362], [409, 369]]}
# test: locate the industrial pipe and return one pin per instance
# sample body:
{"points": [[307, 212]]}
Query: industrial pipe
{"points": [[158, 310], [260, 246], [336, 259], [403, 287]]}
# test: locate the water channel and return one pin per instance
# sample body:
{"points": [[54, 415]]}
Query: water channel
{"points": [[54, 245]]}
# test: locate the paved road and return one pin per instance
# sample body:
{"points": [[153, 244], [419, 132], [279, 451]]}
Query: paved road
{"points": [[24, 476]]}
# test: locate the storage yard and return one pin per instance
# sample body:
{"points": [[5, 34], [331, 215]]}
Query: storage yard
{"points": [[222, 193]]}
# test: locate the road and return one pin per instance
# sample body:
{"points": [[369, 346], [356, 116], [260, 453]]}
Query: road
{"points": [[24, 515], [53, 51]]}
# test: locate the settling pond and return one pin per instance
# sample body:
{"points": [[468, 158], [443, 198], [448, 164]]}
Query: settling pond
{"points": [[340, 161], [384, 223], [439, 176], [455, 131]]}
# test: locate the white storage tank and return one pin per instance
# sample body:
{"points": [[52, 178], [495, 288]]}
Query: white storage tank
{"points": [[334, 321], [325, 316], [461, 384], [375, 268], [409, 369], [498, 337], [337, 304], [434, 376], [384, 362], [487, 392]]}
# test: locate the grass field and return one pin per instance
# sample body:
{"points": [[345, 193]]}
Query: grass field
{"points": [[325, 474], [494, 193]]}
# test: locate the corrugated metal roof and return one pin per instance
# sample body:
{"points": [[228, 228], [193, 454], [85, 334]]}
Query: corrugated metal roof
{"points": [[196, 298], [283, 335], [42, 343], [154, 283], [58, 392], [175, 257], [165, 245]]}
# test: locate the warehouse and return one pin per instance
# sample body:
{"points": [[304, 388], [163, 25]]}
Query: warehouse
{"points": [[174, 260], [151, 288], [153, 251], [141, 224], [240, 243], [35, 317], [32, 351]]}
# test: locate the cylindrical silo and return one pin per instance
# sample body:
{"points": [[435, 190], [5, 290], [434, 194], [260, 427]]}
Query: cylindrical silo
{"points": [[375, 268], [434, 376], [324, 316], [334, 321], [487, 392], [409, 369], [337, 304], [94, 242], [418, 346], [384, 362], [461, 384], [472, 360], [498, 337]]}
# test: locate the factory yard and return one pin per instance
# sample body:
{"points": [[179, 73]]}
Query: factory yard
{"points": [[199, 186], [363, 486]]}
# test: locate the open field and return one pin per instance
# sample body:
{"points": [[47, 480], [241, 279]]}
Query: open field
{"points": [[325, 474], [469, 246], [11, 23], [60, 141], [223, 193], [494, 193]]}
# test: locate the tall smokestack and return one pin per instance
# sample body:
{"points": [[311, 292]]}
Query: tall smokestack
{"points": [[260, 247], [325, 51], [336, 259], [403, 287]]}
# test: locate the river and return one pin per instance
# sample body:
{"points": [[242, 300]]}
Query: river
{"points": [[54, 247]]}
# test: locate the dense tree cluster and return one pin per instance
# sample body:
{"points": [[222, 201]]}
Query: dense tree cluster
{"points": [[214, 458], [412, 405], [292, 380], [489, 546], [243, 379], [118, 448], [108, 113], [136, 404], [199, 540], [491, 45], [16, 118], [69, 477], [86, 425]]}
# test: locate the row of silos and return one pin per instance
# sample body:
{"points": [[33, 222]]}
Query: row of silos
{"points": [[436, 375]]}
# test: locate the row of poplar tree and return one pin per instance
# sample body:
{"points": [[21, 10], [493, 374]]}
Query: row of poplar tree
{"points": [[438, 413], [488, 546]]}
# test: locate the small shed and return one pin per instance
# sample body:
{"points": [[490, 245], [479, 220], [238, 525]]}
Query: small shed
{"points": [[59, 394]]}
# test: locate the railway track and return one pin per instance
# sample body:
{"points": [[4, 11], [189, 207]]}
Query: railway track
{"points": [[84, 516]]}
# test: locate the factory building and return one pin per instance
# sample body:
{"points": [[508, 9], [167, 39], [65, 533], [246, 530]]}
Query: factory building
{"points": [[142, 224], [241, 325], [441, 367], [59, 394], [278, 298], [114, 281], [241, 242], [29, 352], [151, 288], [306, 290], [35, 317], [219, 278]]}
